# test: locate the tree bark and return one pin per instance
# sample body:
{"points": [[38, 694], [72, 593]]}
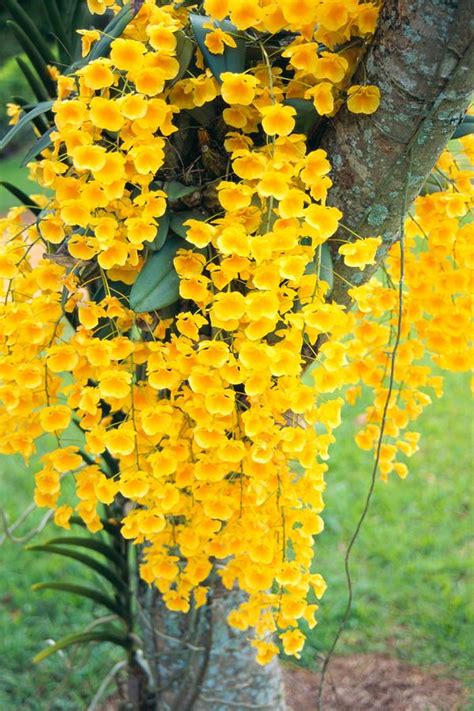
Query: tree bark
{"points": [[199, 663], [422, 59]]}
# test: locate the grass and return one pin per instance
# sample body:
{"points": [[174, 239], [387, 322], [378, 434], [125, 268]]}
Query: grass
{"points": [[411, 563], [66, 681]]}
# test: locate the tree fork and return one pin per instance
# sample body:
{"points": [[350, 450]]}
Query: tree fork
{"points": [[422, 59]]}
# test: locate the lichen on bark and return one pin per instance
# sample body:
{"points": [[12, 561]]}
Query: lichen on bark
{"points": [[422, 59]]}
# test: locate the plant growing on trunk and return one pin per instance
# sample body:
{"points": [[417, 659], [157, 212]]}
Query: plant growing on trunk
{"points": [[195, 262]]}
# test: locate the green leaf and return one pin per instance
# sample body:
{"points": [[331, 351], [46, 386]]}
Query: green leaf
{"points": [[77, 17], [71, 7], [24, 21], [86, 560], [22, 197], [465, 128], [232, 59], [113, 528], [36, 85], [35, 57], [162, 233], [322, 266], [113, 30], [306, 117], [204, 115], [326, 271], [59, 30], [106, 635], [92, 544], [175, 190], [39, 109], [184, 53], [39, 146], [157, 285], [39, 122], [82, 591], [179, 218]]}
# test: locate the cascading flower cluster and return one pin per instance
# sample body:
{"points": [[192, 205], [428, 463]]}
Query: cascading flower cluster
{"points": [[437, 312], [160, 338]]}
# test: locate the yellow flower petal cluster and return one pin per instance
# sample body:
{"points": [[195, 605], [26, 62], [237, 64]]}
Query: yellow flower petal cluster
{"points": [[198, 415], [361, 252]]}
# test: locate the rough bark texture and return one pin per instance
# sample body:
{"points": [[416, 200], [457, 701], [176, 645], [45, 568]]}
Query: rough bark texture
{"points": [[422, 59], [199, 663]]}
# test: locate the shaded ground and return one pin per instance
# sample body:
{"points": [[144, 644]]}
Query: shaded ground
{"points": [[373, 682], [367, 682]]}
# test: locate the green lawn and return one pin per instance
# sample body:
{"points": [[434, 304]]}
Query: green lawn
{"points": [[65, 681], [410, 568], [411, 564]]}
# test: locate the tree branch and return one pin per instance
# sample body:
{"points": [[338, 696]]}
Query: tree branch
{"points": [[422, 59]]}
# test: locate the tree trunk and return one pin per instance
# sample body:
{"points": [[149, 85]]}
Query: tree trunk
{"points": [[199, 663], [422, 59]]}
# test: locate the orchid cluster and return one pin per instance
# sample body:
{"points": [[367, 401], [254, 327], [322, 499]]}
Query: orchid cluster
{"points": [[159, 312]]}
